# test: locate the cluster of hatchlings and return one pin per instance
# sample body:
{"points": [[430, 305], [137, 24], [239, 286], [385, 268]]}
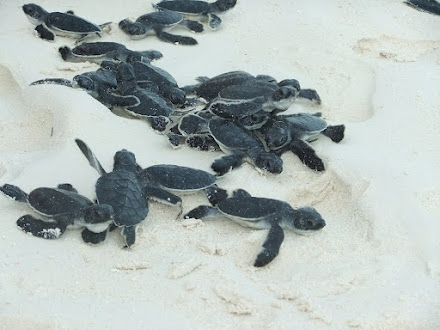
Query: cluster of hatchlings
{"points": [[235, 112]]}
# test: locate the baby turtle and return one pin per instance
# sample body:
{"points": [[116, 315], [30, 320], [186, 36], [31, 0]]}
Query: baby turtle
{"points": [[240, 145], [150, 74], [151, 106], [203, 9], [294, 132], [64, 208], [181, 179], [100, 84], [156, 23], [427, 6], [62, 24], [263, 213], [125, 191], [100, 51]]}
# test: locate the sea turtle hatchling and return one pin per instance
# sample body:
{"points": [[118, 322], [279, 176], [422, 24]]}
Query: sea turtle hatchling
{"points": [[157, 23], [100, 51], [204, 10], [100, 84], [62, 24], [64, 208], [294, 132], [125, 191], [262, 213], [239, 145]]}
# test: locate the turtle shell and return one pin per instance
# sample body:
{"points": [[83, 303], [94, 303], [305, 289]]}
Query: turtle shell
{"points": [[185, 7], [250, 208], [165, 18], [230, 136], [306, 123], [211, 88], [247, 91], [70, 23], [122, 190], [96, 48], [178, 178], [53, 201], [150, 104], [145, 72]]}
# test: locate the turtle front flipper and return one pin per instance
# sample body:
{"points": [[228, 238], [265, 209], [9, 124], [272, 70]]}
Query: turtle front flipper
{"points": [[271, 246], [129, 234], [14, 192], [427, 6], [53, 81], [226, 163], [105, 96], [44, 33], [175, 39], [310, 94], [192, 25], [203, 212], [307, 155], [88, 153], [93, 238], [40, 228], [335, 133], [214, 21], [160, 195]]}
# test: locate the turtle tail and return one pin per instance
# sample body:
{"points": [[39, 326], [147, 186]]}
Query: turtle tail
{"points": [[14, 192], [335, 133]]}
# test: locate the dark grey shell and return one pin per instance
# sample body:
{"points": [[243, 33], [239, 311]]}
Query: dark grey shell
{"points": [[42, 200], [149, 72], [181, 178], [210, 88], [150, 104], [247, 91], [96, 48], [304, 122], [184, 7], [160, 18], [70, 23], [251, 208], [122, 190], [230, 136]]}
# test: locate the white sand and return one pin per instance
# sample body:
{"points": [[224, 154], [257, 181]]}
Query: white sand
{"points": [[376, 65]]}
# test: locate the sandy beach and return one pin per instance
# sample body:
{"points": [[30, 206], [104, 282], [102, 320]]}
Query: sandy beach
{"points": [[376, 265]]}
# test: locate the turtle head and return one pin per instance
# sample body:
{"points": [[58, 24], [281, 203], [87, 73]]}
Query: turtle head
{"points": [[254, 121], [84, 82], [176, 95], [136, 30], [124, 160], [125, 72], [290, 82], [99, 214], [110, 66], [304, 220], [278, 135], [269, 162], [224, 5], [35, 13], [283, 97], [266, 78]]}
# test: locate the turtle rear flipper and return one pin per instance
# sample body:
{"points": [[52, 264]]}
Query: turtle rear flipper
{"points": [[129, 234], [271, 246], [214, 21], [307, 155], [40, 228], [175, 39], [14, 192], [44, 33], [226, 163], [192, 25], [335, 133], [93, 238]]}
